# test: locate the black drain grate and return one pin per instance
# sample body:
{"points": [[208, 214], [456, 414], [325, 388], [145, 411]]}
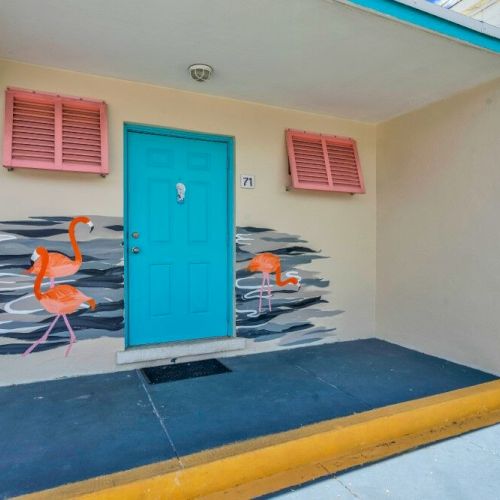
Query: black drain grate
{"points": [[193, 369]]}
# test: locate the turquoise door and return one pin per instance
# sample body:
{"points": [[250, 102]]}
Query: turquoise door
{"points": [[177, 223]]}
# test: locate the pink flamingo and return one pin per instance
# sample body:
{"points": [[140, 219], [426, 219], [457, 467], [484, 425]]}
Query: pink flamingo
{"points": [[59, 265], [59, 300], [268, 263]]}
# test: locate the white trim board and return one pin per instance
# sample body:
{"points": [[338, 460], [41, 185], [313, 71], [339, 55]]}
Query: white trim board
{"points": [[454, 17]]}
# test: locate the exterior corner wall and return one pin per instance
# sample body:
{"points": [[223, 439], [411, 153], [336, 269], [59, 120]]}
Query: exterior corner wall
{"points": [[438, 242]]}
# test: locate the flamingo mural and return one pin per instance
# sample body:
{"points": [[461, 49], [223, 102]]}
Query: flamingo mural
{"points": [[268, 263], [298, 316], [60, 300], [23, 319], [60, 265]]}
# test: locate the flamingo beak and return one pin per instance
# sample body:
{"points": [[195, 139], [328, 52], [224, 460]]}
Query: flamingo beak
{"points": [[91, 225], [35, 256]]}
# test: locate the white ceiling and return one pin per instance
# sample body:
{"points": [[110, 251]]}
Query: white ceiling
{"points": [[313, 55]]}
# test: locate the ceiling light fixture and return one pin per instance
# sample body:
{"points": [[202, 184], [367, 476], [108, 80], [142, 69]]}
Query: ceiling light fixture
{"points": [[200, 72]]}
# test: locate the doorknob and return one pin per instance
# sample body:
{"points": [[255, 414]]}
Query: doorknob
{"points": [[136, 249]]}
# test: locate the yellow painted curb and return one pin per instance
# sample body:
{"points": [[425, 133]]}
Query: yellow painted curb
{"points": [[270, 463]]}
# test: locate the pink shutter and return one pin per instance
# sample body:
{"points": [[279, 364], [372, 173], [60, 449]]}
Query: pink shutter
{"points": [[344, 165], [48, 131], [84, 142], [307, 161], [325, 163], [29, 132]]}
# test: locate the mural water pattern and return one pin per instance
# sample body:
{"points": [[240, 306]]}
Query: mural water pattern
{"points": [[23, 320], [291, 318]]}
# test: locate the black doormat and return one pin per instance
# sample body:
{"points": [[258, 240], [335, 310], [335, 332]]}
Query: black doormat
{"points": [[193, 369]]}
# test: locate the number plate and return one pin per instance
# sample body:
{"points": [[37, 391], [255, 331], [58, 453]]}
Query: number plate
{"points": [[247, 181]]}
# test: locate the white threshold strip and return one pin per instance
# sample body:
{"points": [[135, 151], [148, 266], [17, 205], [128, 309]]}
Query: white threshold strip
{"points": [[171, 350]]}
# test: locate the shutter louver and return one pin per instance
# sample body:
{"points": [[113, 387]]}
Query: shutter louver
{"points": [[81, 136], [344, 167], [33, 131], [325, 163], [52, 132], [309, 161]]}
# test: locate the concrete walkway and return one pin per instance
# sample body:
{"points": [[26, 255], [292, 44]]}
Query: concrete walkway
{"points": [[62, 431], [463, 468]]}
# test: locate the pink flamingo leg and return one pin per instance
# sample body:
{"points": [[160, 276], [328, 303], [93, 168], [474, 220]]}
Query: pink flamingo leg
{"points": [[72, 336], [261, 291], [269, 291], [43, 338]]}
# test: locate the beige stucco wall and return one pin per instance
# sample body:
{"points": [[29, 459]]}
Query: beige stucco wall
{"points": [[427, 227], [341, 226], [438, 235]]}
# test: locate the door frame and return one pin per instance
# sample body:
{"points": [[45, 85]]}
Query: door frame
{"points": [[182, 134]]}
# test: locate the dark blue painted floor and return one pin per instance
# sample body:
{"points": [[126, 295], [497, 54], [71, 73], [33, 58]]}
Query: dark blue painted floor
{"points": [[72, 429]]}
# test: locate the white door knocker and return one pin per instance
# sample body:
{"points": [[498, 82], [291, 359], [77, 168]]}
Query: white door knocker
{"points": [[181, 192]]}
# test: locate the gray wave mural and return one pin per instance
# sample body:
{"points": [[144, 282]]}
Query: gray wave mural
{"points": [[22, 319], [293, 309], [292, 318]]}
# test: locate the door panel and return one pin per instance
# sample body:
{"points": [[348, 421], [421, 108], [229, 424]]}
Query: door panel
{"points": [[178, 282], [159, 278], [198, 213], [199, 285], [157, 203]]}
